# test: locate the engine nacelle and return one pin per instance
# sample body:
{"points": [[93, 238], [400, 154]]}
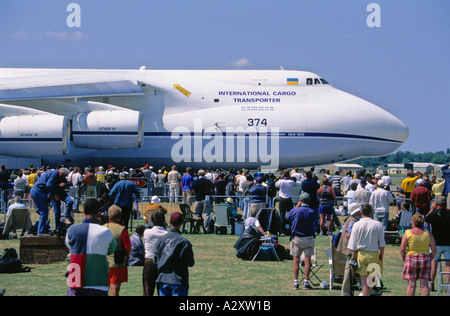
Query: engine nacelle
{"points": [[34, 135], [108, 129]]}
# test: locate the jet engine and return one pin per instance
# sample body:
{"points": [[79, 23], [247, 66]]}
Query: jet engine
{"points": [[34, 135], [114, 129]]}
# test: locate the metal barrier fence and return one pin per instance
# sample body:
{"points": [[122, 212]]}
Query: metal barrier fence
{"points": [[139, 206]]}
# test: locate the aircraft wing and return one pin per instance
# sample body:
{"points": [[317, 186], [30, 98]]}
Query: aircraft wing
{"points": [[66, 86]]}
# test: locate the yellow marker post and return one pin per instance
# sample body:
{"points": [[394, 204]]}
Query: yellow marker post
{"points": [[182, 90]]}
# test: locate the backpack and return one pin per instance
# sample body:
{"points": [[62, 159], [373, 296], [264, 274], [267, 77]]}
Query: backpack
{"points": [[9, 262]]}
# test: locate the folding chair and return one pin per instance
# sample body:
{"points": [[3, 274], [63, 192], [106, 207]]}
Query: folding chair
{"points": [[267, 243], [337, 263], [222, 217], [194, 223], [19, 218], [442, 276], [315, 267], [405, 221]]}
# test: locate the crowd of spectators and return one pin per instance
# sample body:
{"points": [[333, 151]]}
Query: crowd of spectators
{"points": [[319, 195]]}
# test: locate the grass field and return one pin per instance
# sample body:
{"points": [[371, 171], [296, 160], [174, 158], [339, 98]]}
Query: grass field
{"points": [[217, 272]]}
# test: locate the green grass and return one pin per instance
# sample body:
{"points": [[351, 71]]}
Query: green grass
{"points": [[217, 272]]}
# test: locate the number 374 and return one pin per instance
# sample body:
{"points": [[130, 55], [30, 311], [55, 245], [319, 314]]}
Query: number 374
{"points": [[257, 122]]}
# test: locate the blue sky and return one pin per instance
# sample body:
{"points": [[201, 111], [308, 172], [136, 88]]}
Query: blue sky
{"points": [[402, 66]]}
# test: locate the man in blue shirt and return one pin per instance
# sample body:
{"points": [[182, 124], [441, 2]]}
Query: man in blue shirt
{"points": [[137, 247], [186, 186], [45, 190], [123, 192], [258, 194], [302, 220]]}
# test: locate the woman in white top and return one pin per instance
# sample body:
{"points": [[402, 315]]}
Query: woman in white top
{"points": [[151, 237]]}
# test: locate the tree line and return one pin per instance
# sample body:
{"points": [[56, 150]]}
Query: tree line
{"points": [[400, 157]]}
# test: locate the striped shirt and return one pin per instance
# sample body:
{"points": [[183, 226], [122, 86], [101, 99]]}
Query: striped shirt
{"points": [[89, 244]]}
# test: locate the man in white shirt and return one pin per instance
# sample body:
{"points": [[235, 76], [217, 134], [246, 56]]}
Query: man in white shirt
{"points": [[151, 237], [367, 247], [285, 185], [386, 178], [241, 179], [380, 200], [297, 175], [173, 179], [76, 179]]}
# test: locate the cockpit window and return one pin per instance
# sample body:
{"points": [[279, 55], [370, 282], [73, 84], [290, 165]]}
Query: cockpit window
{"points": [[314, 81]]}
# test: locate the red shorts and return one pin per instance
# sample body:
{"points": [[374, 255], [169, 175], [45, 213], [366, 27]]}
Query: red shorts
{"points": [[417, 267], [118, 275]]}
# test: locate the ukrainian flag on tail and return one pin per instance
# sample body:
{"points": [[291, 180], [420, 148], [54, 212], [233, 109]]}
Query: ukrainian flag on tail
{"points": [[292, 81]]}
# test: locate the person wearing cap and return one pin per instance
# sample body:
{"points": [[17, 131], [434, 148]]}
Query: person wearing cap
{"points": [[380, 200], [303, 221], [367, 245], [174, 256], [355, 216], [421, 197], [154, 205], [150, 175], [368, 183]]}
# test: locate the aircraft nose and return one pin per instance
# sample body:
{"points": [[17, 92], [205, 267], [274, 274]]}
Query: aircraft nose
{"points": [[390, 132], [397, 129], [385, 132]]}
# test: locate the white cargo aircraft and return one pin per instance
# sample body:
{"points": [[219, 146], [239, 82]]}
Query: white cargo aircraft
{"points": [[206, 118]]}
